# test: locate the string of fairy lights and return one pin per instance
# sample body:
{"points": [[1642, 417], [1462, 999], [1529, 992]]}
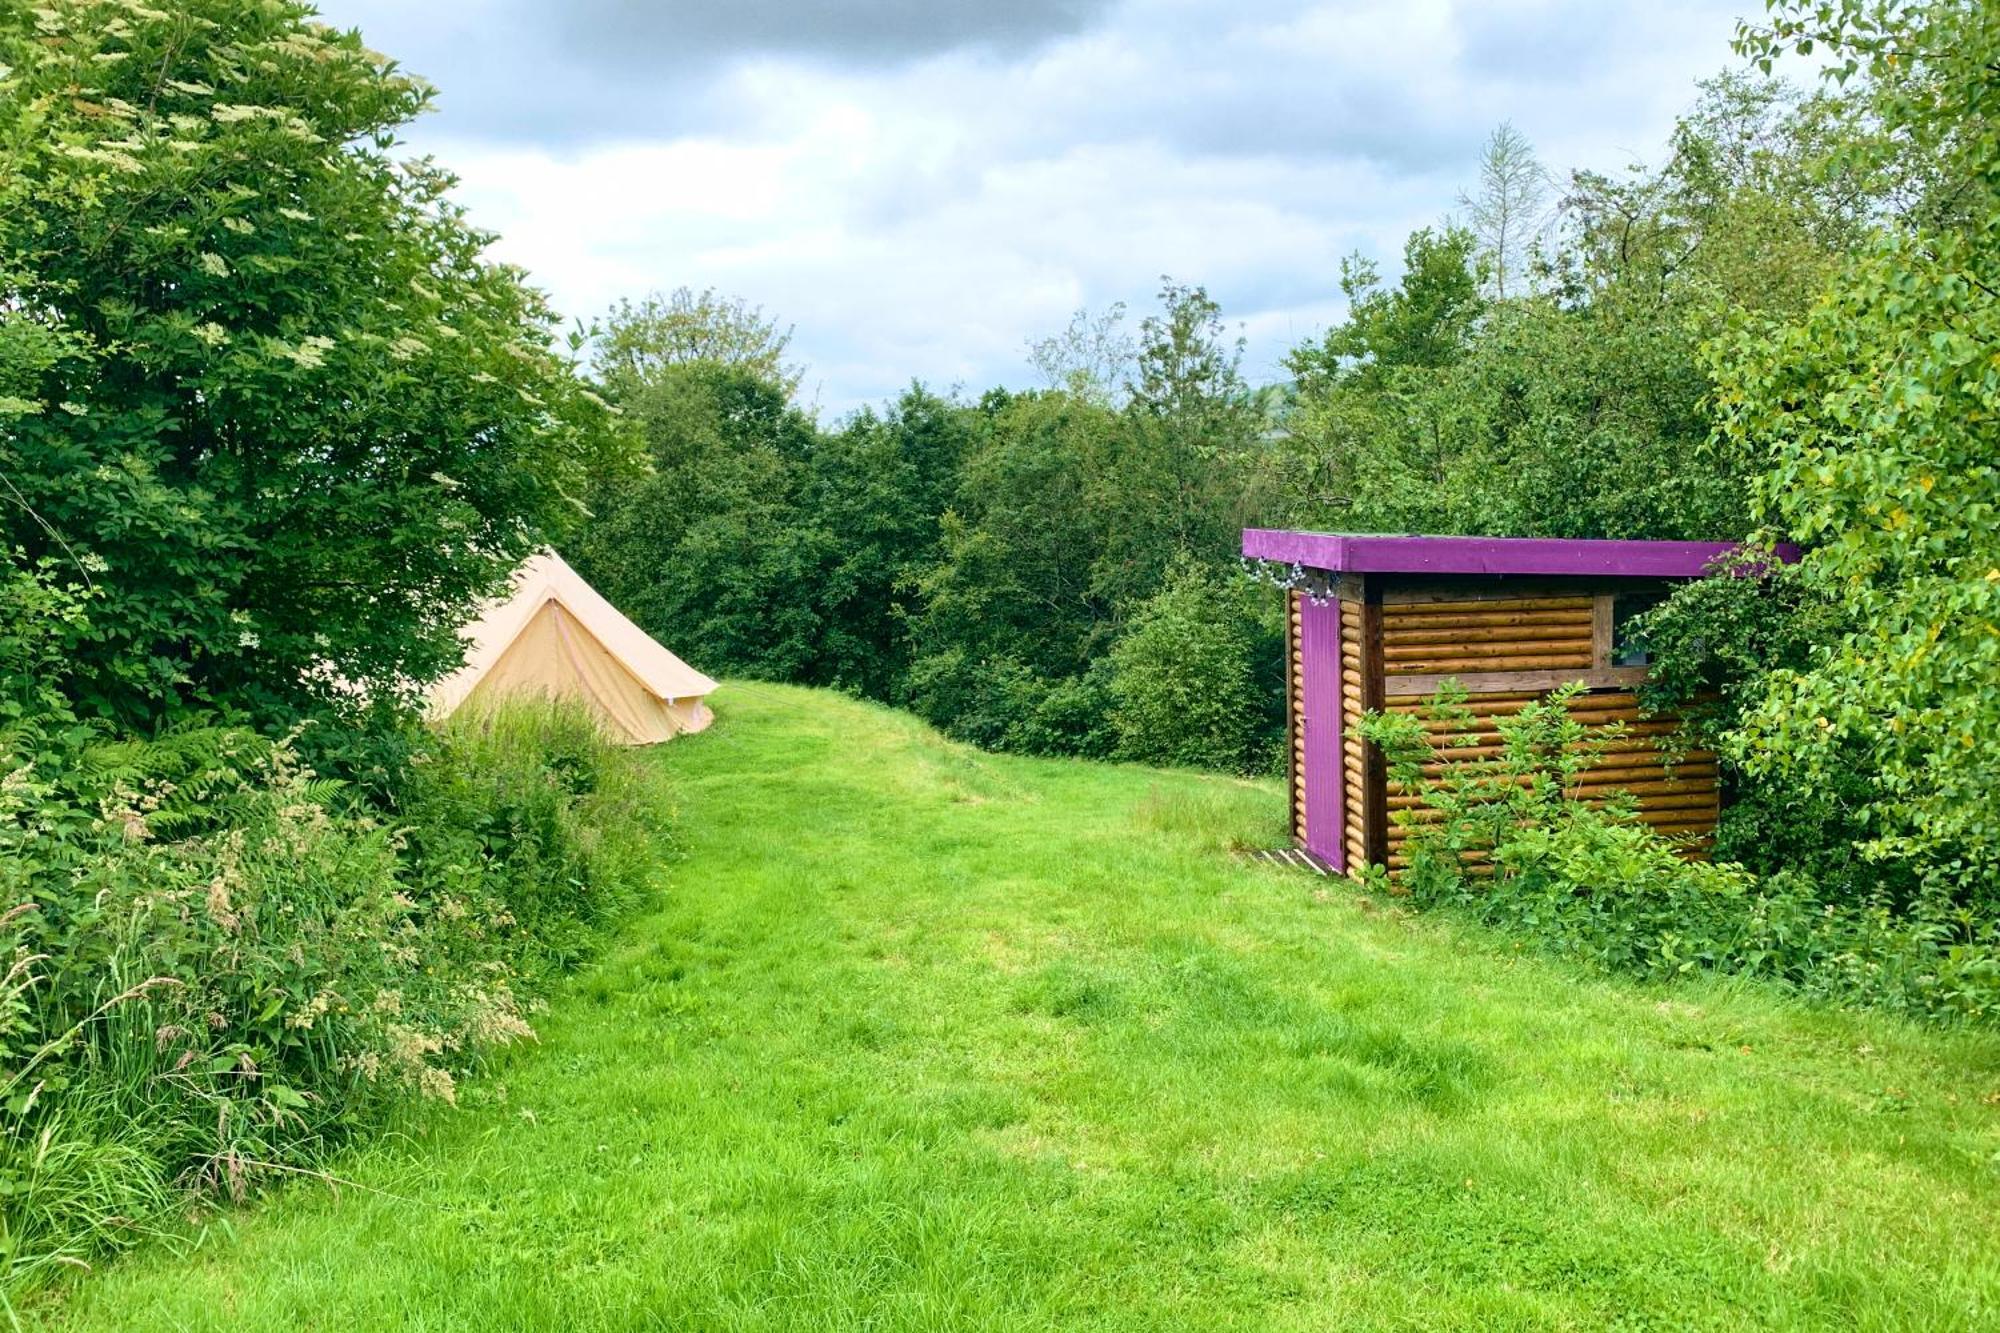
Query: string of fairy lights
{"points": [[1292, 578]]}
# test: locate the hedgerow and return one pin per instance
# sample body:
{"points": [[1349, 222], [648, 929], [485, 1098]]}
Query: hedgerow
{"points": [[271, 423]]}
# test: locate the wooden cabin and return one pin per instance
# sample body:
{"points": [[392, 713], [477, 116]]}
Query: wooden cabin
{"points": [[1380, 622]]}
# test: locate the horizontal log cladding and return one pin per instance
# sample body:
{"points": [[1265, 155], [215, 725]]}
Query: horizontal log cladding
{"points": [[1690, 799], [1468, 637], [1451, 630], [1465, 606], [1453, 749], [1436, 657], [1598, 705], [1687, 834], [1637, 778]]}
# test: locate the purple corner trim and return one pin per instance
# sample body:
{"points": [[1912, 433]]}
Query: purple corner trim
{"points": [[1319, 651], [1488, 555]]}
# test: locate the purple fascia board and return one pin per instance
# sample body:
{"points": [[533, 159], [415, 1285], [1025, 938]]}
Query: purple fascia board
{"points": [[1360, 554]]}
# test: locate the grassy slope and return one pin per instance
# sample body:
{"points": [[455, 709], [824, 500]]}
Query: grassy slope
{"points": [[928, 1039]]}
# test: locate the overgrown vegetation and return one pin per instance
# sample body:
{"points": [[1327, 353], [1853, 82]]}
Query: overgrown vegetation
{"points": [[222, 966], [1511, 841], [1852, 697], [269, 425], [1785, 335], [1874, 415]]}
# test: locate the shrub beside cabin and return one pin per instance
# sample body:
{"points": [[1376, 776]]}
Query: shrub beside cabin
{"points": [[1381, 622]]}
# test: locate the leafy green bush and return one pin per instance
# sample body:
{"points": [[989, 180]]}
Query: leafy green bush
{"points": [[526, 811], [980, 700], [257, 374], [1001, 703], [219, 965], [1186, 684], [1507, 841], [1715, 643], [1192, 682], [1072, 716], [1873, 413]]}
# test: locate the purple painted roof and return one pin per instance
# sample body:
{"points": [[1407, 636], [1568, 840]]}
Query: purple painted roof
{"points": [[1486, 555]]}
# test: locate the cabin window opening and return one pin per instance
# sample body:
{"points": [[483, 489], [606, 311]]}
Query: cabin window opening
{"points": [[1629, 647]]}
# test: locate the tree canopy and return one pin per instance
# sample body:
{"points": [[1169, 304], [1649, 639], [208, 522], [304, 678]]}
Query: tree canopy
{"points": [[1573, 400], [1876, 415], [640, 339], [263, 394]]}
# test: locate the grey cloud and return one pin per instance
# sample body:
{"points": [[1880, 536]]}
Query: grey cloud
{"points": [[627, 33], [1540, 41], [568, 74], [1307, 116], [1197, 81]]}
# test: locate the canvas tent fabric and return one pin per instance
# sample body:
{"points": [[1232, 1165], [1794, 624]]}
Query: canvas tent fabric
{"points": [[554, 636]]}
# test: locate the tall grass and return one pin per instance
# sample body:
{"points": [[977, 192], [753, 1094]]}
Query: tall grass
{"points": [[528, 806], [222, 965]]}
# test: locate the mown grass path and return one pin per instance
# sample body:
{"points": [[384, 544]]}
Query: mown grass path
{"points": [[927, 1039]]}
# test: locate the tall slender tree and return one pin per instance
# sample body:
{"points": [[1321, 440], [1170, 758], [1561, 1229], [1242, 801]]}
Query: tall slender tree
{"points": [[1509, 209]]}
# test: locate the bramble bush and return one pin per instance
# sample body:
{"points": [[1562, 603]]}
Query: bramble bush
{"points": [[1508, 841]]}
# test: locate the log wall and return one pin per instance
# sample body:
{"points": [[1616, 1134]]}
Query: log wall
{"points": [[1678, 798], [1527, 634], [1354, 754]]}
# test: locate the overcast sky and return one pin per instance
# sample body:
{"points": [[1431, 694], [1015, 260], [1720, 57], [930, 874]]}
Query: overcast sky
{"points": [[920, 186]]}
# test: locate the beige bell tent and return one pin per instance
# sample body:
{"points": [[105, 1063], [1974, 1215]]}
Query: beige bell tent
{"points": [[554, 636]]}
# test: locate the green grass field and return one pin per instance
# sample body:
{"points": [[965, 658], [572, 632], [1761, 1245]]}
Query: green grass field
{"points": [[928, 1039]]}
